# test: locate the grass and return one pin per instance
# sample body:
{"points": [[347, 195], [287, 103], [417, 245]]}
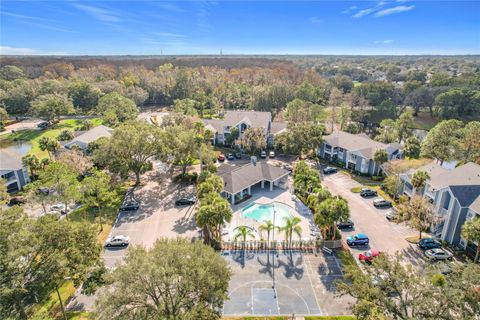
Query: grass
{"points": [[424, 121], [51, 307], [366, 181], [415, 239], [33, 136], [356, 189], [79, 315], [257, 318]]}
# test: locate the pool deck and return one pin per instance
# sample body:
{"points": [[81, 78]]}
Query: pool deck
{"points": [[265, 196]]}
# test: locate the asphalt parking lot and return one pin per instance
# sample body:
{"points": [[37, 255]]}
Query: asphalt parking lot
{"points": [[157, 216], [284, 283], [384, 235]]}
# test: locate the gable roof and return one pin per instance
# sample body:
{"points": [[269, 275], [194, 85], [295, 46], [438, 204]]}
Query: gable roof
{"points": [[10, 160], [255, 119], [466, 195], [465, 175], [278, 127], [360, 144], [89, 136], [236, 179]]}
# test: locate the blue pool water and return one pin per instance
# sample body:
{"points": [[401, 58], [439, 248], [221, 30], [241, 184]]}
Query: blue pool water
{"points": [[264, 212]]}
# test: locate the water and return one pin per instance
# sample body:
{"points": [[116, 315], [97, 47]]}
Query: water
{"points": [[20, 147], [264, 212]]}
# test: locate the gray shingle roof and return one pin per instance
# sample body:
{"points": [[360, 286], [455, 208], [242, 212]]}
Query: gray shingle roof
{"points": [[278, 127], [468, 174], [255, 119], [466, 195], [358, 143], [91, 135], [10, 160], [236, 179]]}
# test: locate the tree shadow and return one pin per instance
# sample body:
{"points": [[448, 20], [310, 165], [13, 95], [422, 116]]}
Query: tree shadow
{"points": [[293, 266], [241, 257]]}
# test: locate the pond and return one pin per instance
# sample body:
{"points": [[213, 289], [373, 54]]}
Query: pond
{"points": [[19, 147]]}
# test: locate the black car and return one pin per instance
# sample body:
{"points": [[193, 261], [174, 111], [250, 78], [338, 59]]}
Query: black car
{"points": [[365, 193], [130, 204], [382, 203], [230, 156], [329, 170], [185, 201], [429, 243], [345, 224], [238, 155], [43, 125]]}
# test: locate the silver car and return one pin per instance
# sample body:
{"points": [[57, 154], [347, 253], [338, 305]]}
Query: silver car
{"points": [[438, 254], [117, 241]]}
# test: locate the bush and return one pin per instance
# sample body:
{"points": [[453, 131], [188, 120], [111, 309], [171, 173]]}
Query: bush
{"points": [[378, 178], [65, 135], [356, 189]]}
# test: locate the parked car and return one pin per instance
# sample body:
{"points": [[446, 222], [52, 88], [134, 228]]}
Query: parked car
{"points": [[16, 200], [185, 201], [345, 224], [43, 125], [60, 207], [221, 157], [117, 241], [263, 154], [368, 256], [366, 193], [382, 203], [429, 243], [391, 215], [329, 170], [359, 239], [238, 155], [271, 154], [230, 156], [287, 167], [438, 254], [129, 204]]}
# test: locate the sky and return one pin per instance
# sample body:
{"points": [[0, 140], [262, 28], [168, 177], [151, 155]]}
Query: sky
{"points": [[239, 27]]}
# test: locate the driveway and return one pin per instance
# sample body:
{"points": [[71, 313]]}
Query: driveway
{"points": [[384, 235]]}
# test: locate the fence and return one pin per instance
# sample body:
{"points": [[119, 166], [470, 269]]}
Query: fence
{"points": [[261, 245]]}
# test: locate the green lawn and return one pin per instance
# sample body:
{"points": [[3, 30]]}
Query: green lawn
{"points": [[331, 318], [50, 309], [33, 136]]}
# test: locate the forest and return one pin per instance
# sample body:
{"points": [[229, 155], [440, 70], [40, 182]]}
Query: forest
{"points": [[374, 88]]}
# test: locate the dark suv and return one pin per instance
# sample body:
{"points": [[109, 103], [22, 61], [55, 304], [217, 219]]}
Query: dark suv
{"points": [[382, 203], [129, 204], [345, 224], [429, 243], [358, 240], [329, 170], [366, 193], [185, 201]]}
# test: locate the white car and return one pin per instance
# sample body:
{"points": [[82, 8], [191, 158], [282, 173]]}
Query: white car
{"points": [[58, 207], [271, 154], [438, 254], [117, 241]]}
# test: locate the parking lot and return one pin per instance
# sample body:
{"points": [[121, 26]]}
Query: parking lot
{"points": [[284, 283], [384, 235], [157, 216]]}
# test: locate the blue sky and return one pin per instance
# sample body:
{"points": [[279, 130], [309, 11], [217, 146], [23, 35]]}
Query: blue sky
{"points": [[239, 27]]}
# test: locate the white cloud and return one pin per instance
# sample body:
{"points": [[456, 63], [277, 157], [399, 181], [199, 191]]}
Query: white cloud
{"points": [[397, 9], [388, 41], [363, 12], [26, 51], [350, 9], [168, 34], [169, 7], [98, 13], [315, 20]]}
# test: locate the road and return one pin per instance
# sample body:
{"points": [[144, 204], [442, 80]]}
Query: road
{"points": [[384, 235]]}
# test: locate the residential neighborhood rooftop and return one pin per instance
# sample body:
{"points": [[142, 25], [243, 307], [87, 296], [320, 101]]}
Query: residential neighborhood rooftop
{"points": [[357, 143], [238, 178], [89, 136], [10, 160], [256, 119], [467, 174]]}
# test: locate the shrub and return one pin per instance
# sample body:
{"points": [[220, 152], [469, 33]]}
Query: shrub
{"points": [[65, 135], [378, 178]]}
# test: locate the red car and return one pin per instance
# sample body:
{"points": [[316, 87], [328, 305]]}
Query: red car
{"points": [[221, 157], [368, 256]]}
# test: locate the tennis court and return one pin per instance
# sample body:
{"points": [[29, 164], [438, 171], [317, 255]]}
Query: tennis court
{"points": [[283, 283]]}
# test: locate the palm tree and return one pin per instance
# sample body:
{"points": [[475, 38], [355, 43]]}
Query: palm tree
{"points": [[243, 232], [328, 213], [291, 226], [419, 179], [268, 227]]}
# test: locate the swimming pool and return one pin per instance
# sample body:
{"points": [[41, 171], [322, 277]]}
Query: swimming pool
{"points": [[264, 212]]}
